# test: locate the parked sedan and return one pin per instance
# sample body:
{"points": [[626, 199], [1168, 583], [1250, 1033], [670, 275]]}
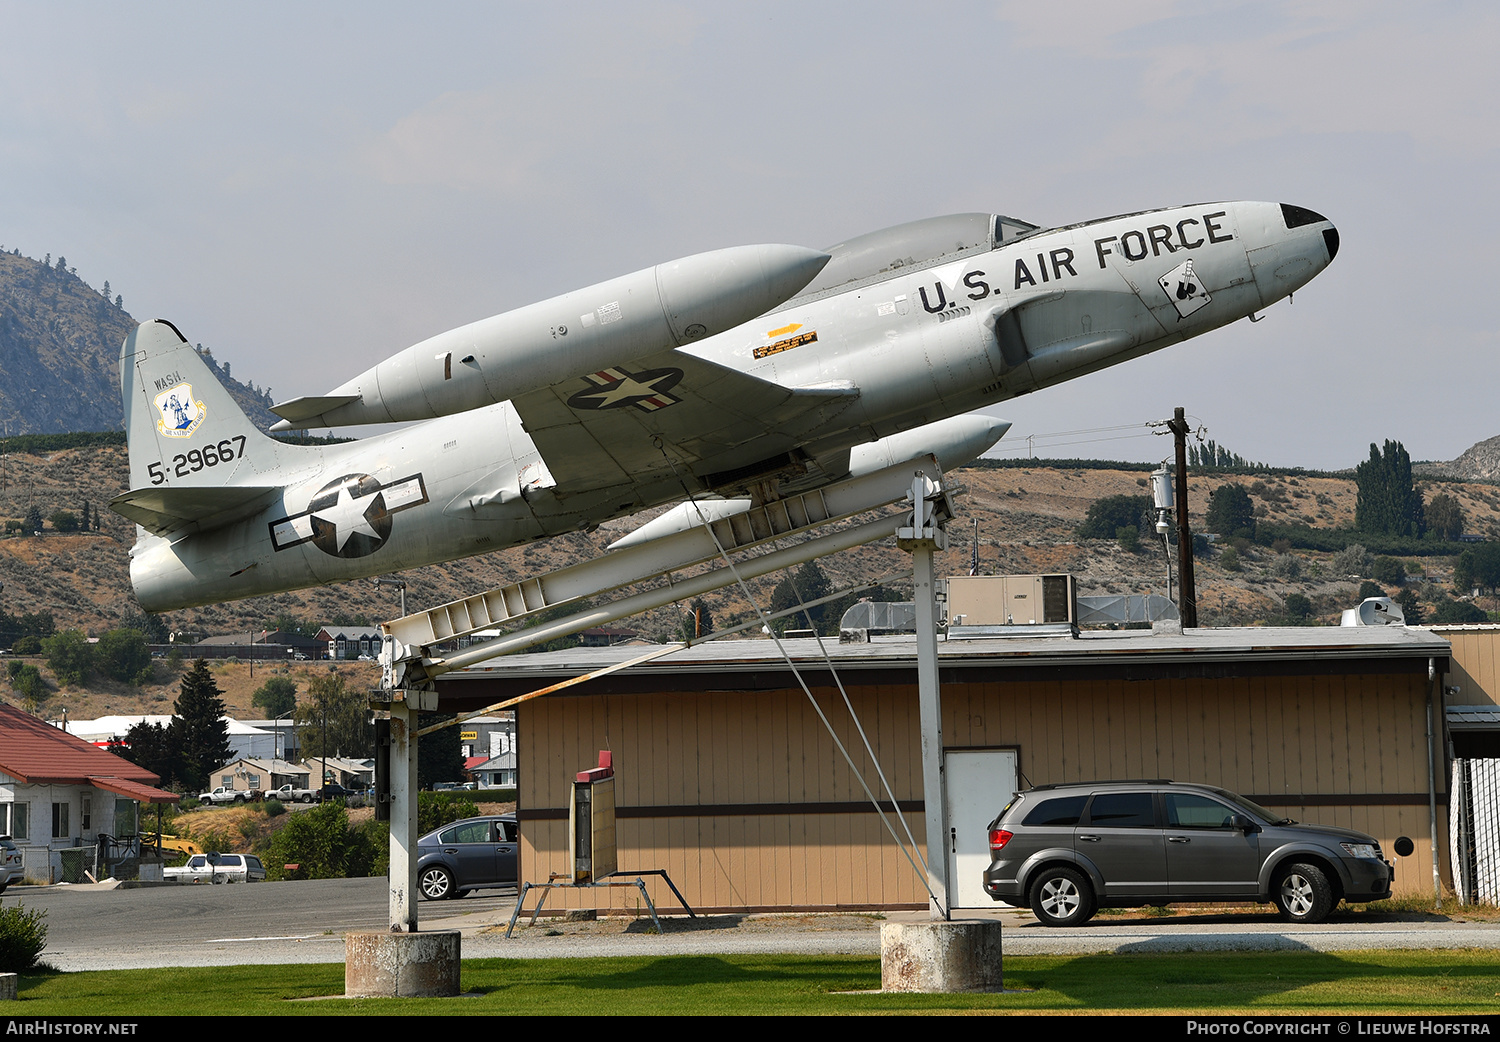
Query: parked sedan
{"points": [[467, 855]]}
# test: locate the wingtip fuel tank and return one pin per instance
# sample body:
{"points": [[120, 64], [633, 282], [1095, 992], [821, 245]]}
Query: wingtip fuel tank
{"points": [[670, 305]]}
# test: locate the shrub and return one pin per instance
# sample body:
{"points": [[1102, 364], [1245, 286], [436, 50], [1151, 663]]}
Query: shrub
{"points": [[23, 935], [1229, 560], [28, 682], [1389, 570], [28, 645], [70, 656], [273, 808], [436, 809], [1458, 613], [1354, 560], [1286, 566], [1298, 607], [1107, 516], [320, 841]]}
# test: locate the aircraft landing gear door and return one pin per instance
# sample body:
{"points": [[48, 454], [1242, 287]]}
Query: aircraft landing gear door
{"points": [[979, 783]]}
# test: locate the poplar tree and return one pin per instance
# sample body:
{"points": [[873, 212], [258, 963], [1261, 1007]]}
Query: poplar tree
{"points": [[1387, 502]]}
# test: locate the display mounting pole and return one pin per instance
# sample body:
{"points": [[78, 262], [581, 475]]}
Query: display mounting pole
{"points": [[404, 705], [921, 539]]}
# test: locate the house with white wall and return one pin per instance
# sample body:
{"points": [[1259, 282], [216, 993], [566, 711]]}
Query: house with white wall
{"points": [[58, 792]]}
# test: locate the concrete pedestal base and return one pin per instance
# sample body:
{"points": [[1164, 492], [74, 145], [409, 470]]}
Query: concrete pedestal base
{"points": [[401, 965], [962, 955], [8, 982]]}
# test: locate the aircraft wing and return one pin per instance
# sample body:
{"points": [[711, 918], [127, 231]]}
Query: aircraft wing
{"points": [[163, 511], [609, 428]]}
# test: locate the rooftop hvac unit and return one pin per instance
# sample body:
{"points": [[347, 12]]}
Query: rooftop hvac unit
{"points": [[1012, 600]]}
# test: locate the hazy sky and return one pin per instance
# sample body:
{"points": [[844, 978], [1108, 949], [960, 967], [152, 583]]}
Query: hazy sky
{"points": [[308, 188]]}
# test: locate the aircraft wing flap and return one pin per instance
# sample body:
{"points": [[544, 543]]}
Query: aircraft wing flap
{"points": [[164, 511], [607, 428]]}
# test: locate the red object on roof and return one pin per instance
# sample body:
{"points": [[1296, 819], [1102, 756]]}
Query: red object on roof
{"points": [[34, 752], [475, 761]]}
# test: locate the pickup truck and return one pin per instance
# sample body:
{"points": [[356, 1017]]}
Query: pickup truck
{"points": [[217, 868], [290, 794], [223, 795]]}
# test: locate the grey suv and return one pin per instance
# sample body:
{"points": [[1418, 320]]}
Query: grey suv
{"points": [[1068, 850]]}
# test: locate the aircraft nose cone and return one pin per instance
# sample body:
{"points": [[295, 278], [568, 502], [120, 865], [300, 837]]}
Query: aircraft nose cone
{"points": [[1301, 217]]}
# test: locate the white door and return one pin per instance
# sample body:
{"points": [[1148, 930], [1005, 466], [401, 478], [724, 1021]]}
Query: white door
{"points": [[979, 784]]}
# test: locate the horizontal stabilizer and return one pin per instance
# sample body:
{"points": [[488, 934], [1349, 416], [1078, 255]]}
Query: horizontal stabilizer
{"points": [[297, 411], [162, 511]]}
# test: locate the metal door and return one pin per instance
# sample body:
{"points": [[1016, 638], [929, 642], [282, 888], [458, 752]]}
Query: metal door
{"points": [[979, 784]]}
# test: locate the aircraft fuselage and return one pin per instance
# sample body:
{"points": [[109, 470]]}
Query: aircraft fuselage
{"points": [[915, 341]]}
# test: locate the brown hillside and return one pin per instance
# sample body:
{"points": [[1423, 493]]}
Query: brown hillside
{"points": [[1027, 517]]}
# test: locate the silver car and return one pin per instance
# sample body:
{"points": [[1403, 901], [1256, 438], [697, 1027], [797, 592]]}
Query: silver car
{"points": [[1068, 850]]}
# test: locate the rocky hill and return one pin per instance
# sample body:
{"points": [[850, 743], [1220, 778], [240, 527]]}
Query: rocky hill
{"points": [[60, 353], [1480, 462]]}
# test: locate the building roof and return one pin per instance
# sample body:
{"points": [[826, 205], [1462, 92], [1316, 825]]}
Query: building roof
{"points": [[34, 752], [117, 726], [1126, 652], [269, 766]]}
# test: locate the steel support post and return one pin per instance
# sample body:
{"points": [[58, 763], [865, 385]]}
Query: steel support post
{"points": [[921, 540]]}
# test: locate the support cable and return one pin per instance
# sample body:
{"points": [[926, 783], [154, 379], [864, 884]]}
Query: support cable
{"points": [[801, 682], [864, 738]]}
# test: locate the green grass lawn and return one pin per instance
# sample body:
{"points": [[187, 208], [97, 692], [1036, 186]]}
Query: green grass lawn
{"points": [[1433, 982]]}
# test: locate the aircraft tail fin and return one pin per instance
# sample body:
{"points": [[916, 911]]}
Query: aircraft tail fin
{"points": [[182, 427]]}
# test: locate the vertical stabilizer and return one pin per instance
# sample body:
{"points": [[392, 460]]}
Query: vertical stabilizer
{"points": [[183, 428]]}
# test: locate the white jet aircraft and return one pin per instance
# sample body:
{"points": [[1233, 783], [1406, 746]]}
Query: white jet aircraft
{"points": [[726, 374]]}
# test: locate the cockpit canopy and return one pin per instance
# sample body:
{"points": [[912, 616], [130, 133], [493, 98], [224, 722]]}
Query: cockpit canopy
{"points": [[919, 243]]}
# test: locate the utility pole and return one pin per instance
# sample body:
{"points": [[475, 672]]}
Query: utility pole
{"points": [[1188, 598]]}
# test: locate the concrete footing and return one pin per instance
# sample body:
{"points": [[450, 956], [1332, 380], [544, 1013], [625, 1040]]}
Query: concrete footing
{"points": [[961, 955], [401, 965]]}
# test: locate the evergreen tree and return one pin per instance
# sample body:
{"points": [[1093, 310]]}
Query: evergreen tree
{"points": [[151, 746], [33, 521], [198, 730], [1387, 503], [811, 583], [1230, 511]]}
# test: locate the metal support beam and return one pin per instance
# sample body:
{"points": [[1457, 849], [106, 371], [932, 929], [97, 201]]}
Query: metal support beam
{"points": [[425, 670], [922, 536], [740, 531]]}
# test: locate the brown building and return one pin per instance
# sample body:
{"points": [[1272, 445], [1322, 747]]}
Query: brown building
{"points": [[726, 778]]}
